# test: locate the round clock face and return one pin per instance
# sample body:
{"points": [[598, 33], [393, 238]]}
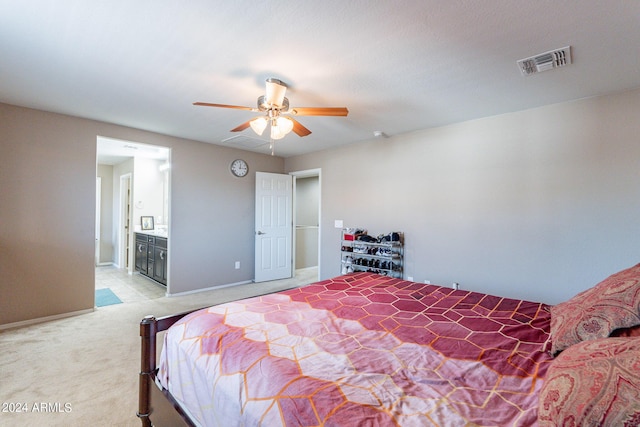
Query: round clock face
{"points": [[239, 168]]}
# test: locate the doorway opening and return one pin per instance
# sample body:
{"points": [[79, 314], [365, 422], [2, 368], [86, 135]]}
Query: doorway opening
{"points": [[306, 222], [134, 181]]}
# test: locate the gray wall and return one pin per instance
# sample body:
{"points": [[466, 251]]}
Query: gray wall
{"points": [[47, 212], [538, 204]]}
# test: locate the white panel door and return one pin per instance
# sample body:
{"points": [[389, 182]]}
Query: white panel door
{"points": [[273, 226]]}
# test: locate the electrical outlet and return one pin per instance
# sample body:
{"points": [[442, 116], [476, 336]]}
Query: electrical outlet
{"points": [[455, 285], [428, 282], [410, 278], [237, 265]]}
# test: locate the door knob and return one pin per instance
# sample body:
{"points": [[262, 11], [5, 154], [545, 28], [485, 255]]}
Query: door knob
{"points": [[260, 233]]}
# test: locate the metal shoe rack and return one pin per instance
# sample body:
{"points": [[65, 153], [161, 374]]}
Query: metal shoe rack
{"points": [[383, 254]]}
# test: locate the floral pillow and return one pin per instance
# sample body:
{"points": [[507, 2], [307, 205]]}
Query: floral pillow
{"points": [[594, 383], [595, 313]]}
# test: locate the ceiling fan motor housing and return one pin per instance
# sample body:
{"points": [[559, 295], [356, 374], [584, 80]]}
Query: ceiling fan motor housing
{"points": [[275, 92], [263, 105]]}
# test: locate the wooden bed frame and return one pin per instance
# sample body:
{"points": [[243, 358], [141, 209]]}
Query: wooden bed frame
{"points": [[153, 402]]}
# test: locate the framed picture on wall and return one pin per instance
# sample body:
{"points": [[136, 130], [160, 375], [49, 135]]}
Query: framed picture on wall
{"points": [[146, 222]]}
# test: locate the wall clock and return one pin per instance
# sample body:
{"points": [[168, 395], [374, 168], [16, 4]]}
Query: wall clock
{"points": [[239, 168]]}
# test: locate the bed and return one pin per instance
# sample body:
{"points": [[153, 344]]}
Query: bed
{"points": [[358, 350]]}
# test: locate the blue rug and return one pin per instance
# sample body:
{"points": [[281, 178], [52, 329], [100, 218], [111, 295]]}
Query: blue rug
{"points": [[105, 296]]}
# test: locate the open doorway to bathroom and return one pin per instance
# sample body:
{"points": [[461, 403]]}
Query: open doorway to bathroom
{"points": [[134, 180]]}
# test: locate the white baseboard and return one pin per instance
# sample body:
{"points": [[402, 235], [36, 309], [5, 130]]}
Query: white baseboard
{"points": [[196, 291], [104, 264], [44, 319]]}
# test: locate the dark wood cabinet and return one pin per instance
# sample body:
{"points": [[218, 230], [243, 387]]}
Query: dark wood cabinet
{"points": [[160, 260], [151, 257], [141, 253]]}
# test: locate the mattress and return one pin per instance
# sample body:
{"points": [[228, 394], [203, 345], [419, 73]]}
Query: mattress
{"points": [[360, 350]]}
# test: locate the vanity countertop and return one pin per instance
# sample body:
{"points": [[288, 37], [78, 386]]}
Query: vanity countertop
{"points": [[157, 233]]}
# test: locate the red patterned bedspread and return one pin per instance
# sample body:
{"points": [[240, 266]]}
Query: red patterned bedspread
{"points": [[360, 350]]}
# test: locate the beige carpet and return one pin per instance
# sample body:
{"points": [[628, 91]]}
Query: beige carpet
{"points": [[84, 369]]}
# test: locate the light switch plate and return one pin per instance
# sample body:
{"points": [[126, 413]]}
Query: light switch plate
{"points": [[338, 223]]}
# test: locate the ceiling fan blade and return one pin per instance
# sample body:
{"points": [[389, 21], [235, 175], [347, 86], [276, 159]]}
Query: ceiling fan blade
{"points": [[237, 107], [241, 127], [299, 129], [319, 111]]}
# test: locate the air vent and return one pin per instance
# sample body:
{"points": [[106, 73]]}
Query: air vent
{"points": [[545, 61], [244, 141]]}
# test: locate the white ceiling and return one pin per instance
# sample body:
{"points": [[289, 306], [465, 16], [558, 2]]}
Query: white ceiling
{"points": [[398, 66]]}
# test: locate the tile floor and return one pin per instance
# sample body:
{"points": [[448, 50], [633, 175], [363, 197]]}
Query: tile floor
{"points": [[136, 287], [128, 287]]}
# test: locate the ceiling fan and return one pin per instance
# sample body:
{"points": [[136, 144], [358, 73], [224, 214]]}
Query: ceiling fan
{"points": [[277, 112]]}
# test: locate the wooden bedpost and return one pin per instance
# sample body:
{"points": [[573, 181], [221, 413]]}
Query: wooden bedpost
{"points": [[148, 329]]}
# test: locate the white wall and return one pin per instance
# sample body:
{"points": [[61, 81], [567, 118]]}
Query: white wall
{"points": [[148, 190], [307, 194], [307, 205], [121, 169], [106, 214], [538, 204]]}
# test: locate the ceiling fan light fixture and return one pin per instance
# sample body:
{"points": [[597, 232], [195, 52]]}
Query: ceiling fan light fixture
{"points": [[286, 124], [275, 92], [280, 126], [258, 125], [275, 133]]}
